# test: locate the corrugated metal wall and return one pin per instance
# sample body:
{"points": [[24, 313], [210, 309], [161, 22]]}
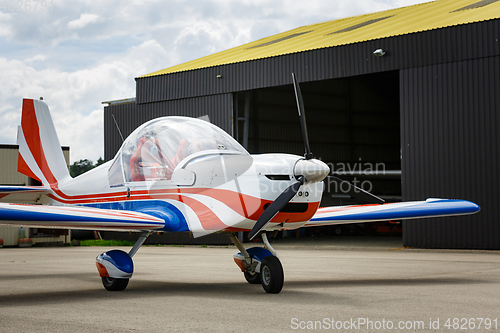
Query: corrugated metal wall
{"points": [[450, 140], [130, 116], [457, 43]]}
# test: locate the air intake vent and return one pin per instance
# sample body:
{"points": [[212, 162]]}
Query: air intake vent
{"points": [[278, 177], [295, 207]]}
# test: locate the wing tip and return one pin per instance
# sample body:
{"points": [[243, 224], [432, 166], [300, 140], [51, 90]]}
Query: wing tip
{"points": [[468, 207]]}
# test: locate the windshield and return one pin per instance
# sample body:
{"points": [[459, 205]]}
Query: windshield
{"points": [[154, 149]]}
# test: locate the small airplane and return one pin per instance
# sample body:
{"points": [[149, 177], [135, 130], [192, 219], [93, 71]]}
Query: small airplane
{"points": [[179, 174]]}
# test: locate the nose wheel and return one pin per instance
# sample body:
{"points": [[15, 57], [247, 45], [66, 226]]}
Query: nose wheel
{"points": [[271, 275]]}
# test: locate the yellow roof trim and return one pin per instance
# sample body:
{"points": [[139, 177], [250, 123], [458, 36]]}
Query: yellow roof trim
{"points": [[394, 22]]}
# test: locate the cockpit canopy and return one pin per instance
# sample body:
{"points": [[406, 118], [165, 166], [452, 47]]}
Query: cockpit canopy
{"points": [[153, 150]]}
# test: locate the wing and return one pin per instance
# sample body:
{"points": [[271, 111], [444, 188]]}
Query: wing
{"points": [[77, 217], [21, 194], [392, 211]]}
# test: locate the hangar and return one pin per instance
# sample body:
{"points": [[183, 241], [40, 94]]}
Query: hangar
{"points": [[413, 89]]}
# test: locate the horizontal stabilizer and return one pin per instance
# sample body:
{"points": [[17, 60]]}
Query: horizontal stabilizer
{"points": [[21, 194], [392, 211], [77, 217]]}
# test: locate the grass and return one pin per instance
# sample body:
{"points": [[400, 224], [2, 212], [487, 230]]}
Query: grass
{"points": [[105, 242]]}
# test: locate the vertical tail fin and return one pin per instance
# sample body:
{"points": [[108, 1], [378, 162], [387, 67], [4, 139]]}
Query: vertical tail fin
{"points": [[40, 153]]}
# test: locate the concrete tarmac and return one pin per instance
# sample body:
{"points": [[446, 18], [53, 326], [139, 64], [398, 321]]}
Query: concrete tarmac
{"points": [[195, 289]]}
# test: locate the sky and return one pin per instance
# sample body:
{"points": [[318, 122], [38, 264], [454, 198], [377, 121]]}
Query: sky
{"points": [[77, 54]]}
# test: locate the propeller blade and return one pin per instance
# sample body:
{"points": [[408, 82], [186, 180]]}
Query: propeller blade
{"points": [[275, 207], [300, 106], [356, 192]]}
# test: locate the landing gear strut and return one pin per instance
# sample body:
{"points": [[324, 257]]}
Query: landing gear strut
{"points": [[260, 265]]}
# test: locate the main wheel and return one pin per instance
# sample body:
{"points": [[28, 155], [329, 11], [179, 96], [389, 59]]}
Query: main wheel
{"points": [[252, 278], [271, 275], [113, 284]]}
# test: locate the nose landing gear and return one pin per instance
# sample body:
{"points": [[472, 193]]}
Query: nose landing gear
{"points": [[260, 265]]}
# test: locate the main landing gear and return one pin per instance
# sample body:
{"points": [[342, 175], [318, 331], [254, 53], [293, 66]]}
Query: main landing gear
{"points": [[260, 265], [116, 267]]}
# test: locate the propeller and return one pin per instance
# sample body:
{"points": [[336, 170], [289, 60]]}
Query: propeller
{"points": [[355, 192], [287, 195], [275, 207], [300, 106]]}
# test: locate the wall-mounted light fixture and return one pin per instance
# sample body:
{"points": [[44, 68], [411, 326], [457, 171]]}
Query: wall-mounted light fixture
{"points": [[378, 52], [219, 76]]}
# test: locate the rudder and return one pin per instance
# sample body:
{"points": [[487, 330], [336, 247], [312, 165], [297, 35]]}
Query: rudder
{"points": [[40, 153]]}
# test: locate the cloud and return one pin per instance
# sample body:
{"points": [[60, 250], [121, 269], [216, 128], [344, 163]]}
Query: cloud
{"points": [[204, 38], [5, 24], [83, 21], [38, 57]]}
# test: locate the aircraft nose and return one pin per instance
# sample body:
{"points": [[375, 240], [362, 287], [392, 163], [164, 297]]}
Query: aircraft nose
{"points": [[313, 170]]}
